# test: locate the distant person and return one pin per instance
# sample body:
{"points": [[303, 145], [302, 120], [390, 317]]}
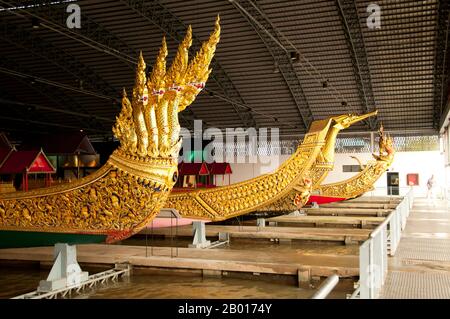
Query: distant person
{"points": [[430, 186]]}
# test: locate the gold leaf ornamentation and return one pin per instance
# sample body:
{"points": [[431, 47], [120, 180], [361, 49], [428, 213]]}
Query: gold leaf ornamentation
{"points": [[129, 190]]}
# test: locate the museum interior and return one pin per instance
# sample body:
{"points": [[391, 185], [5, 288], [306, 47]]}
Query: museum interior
{"points": [[224, 149]]}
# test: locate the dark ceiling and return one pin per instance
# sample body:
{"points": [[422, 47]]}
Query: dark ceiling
{"points": [[278, 64]]}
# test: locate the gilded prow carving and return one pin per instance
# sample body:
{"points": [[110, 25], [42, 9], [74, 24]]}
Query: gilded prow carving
{"points": [[130, 189], [294, 179], [325, 161], [364, 180], [350, 188]]}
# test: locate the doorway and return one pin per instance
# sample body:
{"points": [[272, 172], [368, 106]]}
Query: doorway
{"points": [[393, 183]]}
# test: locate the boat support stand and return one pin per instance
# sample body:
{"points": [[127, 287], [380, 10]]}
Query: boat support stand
{"points": [[65, 271], [199, 232], [66, 276]]}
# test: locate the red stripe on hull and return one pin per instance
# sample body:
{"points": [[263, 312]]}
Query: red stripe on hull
{"points": [[324, 199], [117, 235]]}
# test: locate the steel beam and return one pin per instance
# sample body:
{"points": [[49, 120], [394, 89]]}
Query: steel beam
{"points": [[30, 114], [68, 105], [161, 17], [348, 15], [13, 111], [22, 132], [45, 123], [31, 117], [53, 109], [92, 34], [276, 47], [38, 46], [441, 73]]}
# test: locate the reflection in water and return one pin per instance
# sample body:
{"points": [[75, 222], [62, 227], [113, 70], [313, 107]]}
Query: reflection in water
{"points": [[305, 247], [19, 280], [181, 287], [14, 282], [166, 287]]}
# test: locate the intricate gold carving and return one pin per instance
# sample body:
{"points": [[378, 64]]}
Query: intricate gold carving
{"points": [[303, 193], [229, 201], [148, 126], [386, 147], [247, 196], [114, 202], [325, 161], [288, 188], [364, 180], [130, 189], [349, 188]]}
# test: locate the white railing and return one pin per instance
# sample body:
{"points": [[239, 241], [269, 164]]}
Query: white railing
{"points": [[373, 253]]}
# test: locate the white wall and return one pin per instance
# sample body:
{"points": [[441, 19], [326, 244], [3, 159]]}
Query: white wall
{"points": [[423, 163]]}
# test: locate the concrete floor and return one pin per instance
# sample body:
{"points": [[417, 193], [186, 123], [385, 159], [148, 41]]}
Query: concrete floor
{"points": [[421, 267]]}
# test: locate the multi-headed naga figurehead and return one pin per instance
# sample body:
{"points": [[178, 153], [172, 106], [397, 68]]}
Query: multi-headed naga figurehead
{"points": [[148, 126]]}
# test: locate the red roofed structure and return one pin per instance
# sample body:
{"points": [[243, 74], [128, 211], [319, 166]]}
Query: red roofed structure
{"points": [[71, 153], [69, 143], [190, 174], [194, 175], [25, 163], [4, 142], [4, 154], [5, 148], [193, 169], [220, 169]]}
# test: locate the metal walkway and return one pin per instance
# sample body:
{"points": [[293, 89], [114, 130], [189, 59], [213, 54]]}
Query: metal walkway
{"points": [[421, 266], [93, 280]]}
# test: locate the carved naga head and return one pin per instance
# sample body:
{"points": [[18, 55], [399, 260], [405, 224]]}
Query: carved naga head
{"points": [[147, 126]]}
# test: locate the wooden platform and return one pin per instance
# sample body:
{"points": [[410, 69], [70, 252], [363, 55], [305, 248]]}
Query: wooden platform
{"points": [[215, 260], [303, 233], [349, 204], [378, 212], [328, 220], [376, 199]]}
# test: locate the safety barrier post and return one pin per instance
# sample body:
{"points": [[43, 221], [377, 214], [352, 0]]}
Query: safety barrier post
{"points": [[373, 253]]}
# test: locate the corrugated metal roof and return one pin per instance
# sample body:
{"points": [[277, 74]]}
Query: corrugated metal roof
{"points": [[401, 57]]}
